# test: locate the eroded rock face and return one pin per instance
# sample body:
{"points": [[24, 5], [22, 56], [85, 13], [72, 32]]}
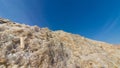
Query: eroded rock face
{"points": [[23, 46]]}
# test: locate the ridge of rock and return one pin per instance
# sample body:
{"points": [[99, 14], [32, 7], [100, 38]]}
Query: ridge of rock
{"points": [[24, 46]]}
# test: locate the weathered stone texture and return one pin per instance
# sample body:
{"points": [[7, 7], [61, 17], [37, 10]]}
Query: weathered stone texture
{"points": [[23, 46]]}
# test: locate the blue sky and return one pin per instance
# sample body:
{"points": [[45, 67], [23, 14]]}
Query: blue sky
{"points": [[95, 19]]}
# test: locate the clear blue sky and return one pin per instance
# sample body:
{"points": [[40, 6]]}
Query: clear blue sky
{"points": [[95, 19]]}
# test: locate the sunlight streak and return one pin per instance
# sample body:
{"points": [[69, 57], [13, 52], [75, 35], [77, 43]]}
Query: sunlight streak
{"points": [[108, 26]]}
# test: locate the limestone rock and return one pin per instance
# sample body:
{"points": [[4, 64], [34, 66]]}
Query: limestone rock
{"points": [[23, 46]]}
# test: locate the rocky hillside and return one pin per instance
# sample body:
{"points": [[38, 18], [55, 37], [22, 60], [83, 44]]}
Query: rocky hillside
{"points": [[24, 46]]}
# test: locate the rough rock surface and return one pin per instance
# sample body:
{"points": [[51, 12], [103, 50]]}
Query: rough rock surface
{"points": [[23, 46]]}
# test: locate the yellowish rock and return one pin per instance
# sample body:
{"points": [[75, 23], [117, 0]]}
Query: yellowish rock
{"points": [[24, 46]]}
